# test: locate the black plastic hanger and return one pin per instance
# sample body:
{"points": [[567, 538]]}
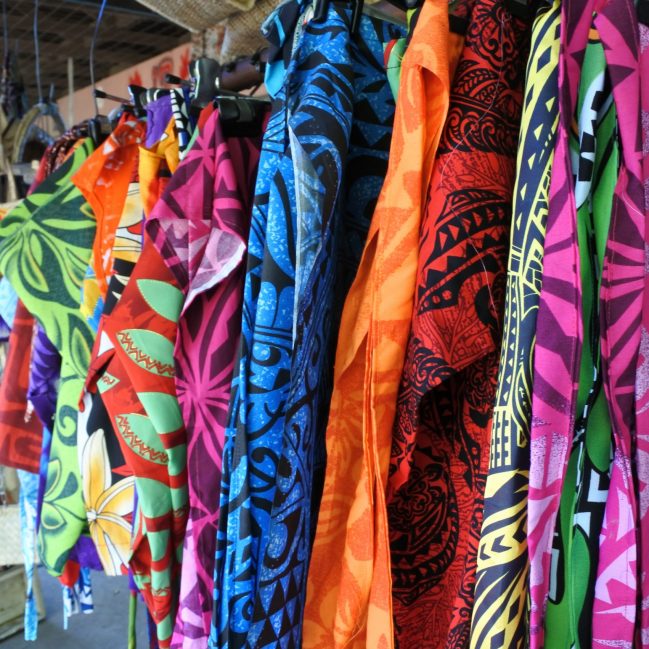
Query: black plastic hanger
{"points": [[241, 115], [322, 9], [141, 96], [205, 74]]}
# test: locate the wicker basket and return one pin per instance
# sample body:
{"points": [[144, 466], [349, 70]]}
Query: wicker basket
{"points": [[242, 31], [197, 15]]}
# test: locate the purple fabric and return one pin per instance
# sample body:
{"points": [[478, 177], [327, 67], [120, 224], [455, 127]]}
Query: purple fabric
{"points": [[44, 377], [85, 554], [158, 115], [5, 331]]}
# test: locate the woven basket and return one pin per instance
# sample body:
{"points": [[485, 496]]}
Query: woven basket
{"points": [[242, 31], [197, 15]]}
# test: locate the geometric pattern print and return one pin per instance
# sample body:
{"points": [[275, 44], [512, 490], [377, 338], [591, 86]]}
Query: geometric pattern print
{"points": [[623, 279], [340, 217], [265, 526], [642, 372], [259, 387], [45, 246], [441, 435], [258, 392], [575, 550], [499, 612], [202, 235], [557, 354], [183, 122]]}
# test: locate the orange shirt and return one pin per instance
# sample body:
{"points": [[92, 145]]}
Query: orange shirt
{"points": [[103, 180], [349, 602]]}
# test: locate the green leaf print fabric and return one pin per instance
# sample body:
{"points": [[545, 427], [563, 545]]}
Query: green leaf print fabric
{"points": [[45, 245]]}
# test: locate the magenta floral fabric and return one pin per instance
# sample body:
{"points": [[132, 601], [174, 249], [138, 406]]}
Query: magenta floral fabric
{"points": [[617, 594], [642, 379], [201, 228], [559, 334]]}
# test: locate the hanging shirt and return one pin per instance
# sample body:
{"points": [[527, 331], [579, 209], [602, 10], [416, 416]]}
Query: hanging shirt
{"points": [[201, 228], [134, 373], [138, 390], [575, 547], [440, 446], [348, 597], [104, 181], [556, 377], [316, 190], [108, 483], [623, 280], [45, 246], [21, 432], [499, 614]]}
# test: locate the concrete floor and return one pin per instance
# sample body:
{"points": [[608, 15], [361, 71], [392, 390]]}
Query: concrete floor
{"points": [[105, 628]]}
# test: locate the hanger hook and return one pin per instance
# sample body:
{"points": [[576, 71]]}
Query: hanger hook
{"points": [[92, 54]]}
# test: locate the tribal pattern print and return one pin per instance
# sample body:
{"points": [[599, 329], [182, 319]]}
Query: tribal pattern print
{"points": [[45, 246], [575, 549], [617, 592], [499, 613], [345, 220], [441, 437], [202, 237], [183, 121], [307, 235]]}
